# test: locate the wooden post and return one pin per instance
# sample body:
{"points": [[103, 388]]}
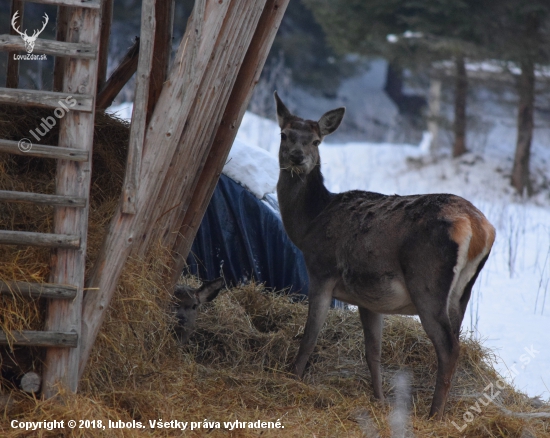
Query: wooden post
{"points": [[139, 112], [12, 75], [165, 129], [164, 17], [106, 22], [72, 179], [202, 124], [206, 181], [62, 25]]}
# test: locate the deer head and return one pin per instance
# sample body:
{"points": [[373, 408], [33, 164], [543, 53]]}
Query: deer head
{"points": [[187, 302], [29, 40], [300, 138]]}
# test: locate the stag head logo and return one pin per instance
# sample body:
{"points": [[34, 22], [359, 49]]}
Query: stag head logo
{"points": [[29, 40]]}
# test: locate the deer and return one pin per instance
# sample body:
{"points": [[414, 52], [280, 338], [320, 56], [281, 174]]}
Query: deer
{"points": [[29, 40], [386, 254], [187, 301]]}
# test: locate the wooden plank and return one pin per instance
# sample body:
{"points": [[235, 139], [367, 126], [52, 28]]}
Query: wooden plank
{"points": [[12, 74], [47, 99], [162, 50], [103, 58], [30, 338], [139, 112], [120, 76], [38, 290], [92, 4], [73, 178], [163, 133], [44, 151], [206, 181], [202, 124], [62, 24], [39, 239], [39, 198], [50, 47]]}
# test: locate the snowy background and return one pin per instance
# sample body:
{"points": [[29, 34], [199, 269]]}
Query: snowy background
{"points": [[510, 306]]}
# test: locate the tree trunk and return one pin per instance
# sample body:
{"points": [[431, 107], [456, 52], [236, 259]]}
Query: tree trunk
{"points": [[526, 90], [461, 91]]}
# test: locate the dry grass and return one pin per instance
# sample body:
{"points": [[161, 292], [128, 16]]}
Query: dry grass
{"points": [[235, 366]]}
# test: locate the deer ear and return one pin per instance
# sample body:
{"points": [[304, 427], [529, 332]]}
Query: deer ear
{"points": [[282, 111], [329, 122], [210, 290]]}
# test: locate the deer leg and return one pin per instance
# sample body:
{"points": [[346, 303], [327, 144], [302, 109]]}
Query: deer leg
{"points": [[320, 296], [372, 329], [447, 349]]}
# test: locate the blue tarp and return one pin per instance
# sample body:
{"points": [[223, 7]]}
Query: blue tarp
{"points": [[246, 238]]}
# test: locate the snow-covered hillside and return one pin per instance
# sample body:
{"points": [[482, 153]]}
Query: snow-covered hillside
{"points": [[510, 306]]}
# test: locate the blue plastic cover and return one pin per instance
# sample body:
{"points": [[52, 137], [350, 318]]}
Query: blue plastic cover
{"points": [[245, 238]]}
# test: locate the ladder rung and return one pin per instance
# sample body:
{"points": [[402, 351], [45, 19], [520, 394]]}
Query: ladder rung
{"points": [[47, 99], [39, 198], [13, 43], [92, 4], [37, 290], [66, 241], [31, 338], [43, 151]]}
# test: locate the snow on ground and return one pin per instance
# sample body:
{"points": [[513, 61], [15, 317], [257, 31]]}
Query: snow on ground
{"points": [[510, 306]]}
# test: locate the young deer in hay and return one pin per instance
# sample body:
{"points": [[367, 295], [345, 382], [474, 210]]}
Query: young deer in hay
{"points": [[409, 255], [187, 301]]}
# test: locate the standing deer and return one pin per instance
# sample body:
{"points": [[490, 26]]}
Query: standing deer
{"points": [[409, 255]]}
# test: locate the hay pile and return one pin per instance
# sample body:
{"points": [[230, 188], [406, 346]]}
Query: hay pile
{"points": [[235, 367]]}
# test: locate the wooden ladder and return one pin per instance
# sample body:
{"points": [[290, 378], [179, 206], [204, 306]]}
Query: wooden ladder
{"points": [[78, 26]]}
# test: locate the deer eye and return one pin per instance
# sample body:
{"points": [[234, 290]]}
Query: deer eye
{"points": [[283, 136], [316, 143], [194, 306]]}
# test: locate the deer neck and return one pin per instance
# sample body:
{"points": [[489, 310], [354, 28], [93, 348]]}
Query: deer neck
{"points": [[301, 199]]}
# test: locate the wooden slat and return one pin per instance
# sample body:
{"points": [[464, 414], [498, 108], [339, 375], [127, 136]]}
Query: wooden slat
{"points": [[92, 4], [47, 99], [44, 151], [39, 239], [40, 198], [206, 181], [50, 47], [31, 338], [139, 113], [37, 290]]}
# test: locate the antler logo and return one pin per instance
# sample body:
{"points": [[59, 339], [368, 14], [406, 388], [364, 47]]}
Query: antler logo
{"points": [[29, 40]]}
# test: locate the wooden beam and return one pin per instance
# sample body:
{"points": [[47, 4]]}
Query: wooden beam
{"points": [[162, 50], [202, 124], [92, 4], [120, 76], [103, 59], [12, 74], [162, 138], [62, 24], [47, 99], [50, 47], [39, 198], [38, 290], [44, 151], [30, 338], [72, 179], [205, 181], [68, 241], [139, 113]]}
